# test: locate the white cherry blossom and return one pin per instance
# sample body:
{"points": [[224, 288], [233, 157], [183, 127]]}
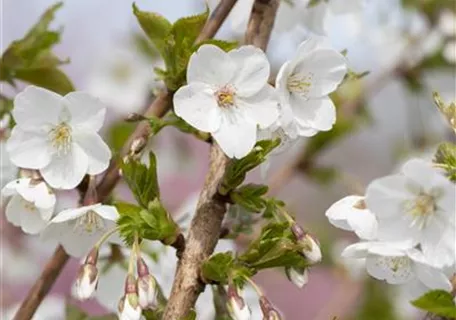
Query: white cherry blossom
{"points": [[58, 136], [350, 213], [30, 206], [228, 95], [399, 263], [7, 168], [417, 205], [78, 230], [303, 85]]}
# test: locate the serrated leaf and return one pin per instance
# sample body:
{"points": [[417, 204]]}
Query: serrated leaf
{"points": [[446, 158], [217, 268], [142, 179], [129, 221], [160, 225], [50, 78], [249, 196], [187, 29], [439, 302], [222, 44], [155, 26], [272, 208]]}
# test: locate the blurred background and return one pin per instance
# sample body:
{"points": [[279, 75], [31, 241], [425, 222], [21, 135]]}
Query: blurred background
{"points": [[409, 49]]}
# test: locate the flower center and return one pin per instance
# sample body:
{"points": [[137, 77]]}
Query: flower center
{"points": [[399, 265], [61, 138], [29, 206], [90, 222], [300, 84], [421, 209], [225, 97]]}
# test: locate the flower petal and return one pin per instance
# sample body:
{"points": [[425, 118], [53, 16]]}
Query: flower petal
{"points": [[71, 214], [13, 210], [29, 149], [197, 105], [36, 107], [252, 70], [66, 171], [87, 113], [432, 277], [22, 214], [386, 268], [107, 212], [281, 83], [261, 108], [317, 114], [236, 136], [324, 69], [210, 65], [96, 150], [357, 250], [10, 189]]}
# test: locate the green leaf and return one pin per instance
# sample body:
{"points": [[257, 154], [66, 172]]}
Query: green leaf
{"points": [[439, 302], [72, 312], [142, 179], [217, 268], [130, 221], [445, 157], [237, 169], [6, 106], [448, 110], [160, 225], [49, 78], [155, 26], [249, 196], [272, 208], [187, 29], [222, 44]]}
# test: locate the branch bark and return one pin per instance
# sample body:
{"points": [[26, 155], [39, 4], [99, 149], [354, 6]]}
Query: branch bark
{"points": [[158, 108], [205, 228]]}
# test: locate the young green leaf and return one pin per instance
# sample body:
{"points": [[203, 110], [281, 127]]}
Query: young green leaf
{"points": [[142, 179], [222, 44], [217, 268], [51, 78], [439, 302], [160, 225], [445, 157], [249, 196]]}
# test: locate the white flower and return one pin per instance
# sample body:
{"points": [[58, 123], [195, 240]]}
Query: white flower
{"points": [[30, 206], [303, 85], [228, 95], [449, 51], [78, 230], [350, 213], [417, 205], [398, 263], [237, 307], [299, 277], [58, 136], [129, 308], [7, 168], [447, 23]]}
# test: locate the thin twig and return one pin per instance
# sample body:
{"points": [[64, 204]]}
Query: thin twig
{"points": [[205, 228], [158, 108]]}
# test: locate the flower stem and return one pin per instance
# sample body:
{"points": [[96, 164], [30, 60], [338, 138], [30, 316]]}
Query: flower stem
{"points": [[105, 237], [255, 286]]}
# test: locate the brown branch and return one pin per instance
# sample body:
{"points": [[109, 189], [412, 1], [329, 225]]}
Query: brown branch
{"points": [[158, 108], [206, 225]]}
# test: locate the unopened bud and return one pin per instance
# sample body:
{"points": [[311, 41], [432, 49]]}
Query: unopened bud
{"points": [[269, 311], [147, 286], [236, 305], [87, 280], [298, 277], [129, 308], [311, 248]]}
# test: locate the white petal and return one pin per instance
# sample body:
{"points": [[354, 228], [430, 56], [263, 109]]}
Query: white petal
{"points": [[29, 149], [317, 114], [197, 105], [11, 187], [385, 268], [252, 70], [36, 107], [311, 44], [71, 214], [397, 229], [13, 210], [210, 65], [78, 245], [107, 212], [282, 83], [432, 277], [261, 108], [67, 171], [23, 214], [236, 135], [357, 250], [325, 69], [87, 113], [385, 196], [419, 171], [96, 150], [344, 208]]}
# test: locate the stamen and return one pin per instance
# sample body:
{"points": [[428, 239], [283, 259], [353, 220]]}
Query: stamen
{"points": [[61, 138], [225, 96], [89, 222], [422, 208], [300, 84]]}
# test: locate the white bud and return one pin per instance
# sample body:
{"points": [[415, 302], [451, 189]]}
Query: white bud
{"points": [[298, 277], [87, 281], [147, 291], [129, 308], [311, 249], [237, 307]]}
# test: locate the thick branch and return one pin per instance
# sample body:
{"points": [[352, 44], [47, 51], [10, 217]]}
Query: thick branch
{"points": [[206, 225], [158, 108]]}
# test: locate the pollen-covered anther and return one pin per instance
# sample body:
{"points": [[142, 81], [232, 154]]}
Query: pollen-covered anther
{"points": [[300, 84], [225, 97], [61, 138]]}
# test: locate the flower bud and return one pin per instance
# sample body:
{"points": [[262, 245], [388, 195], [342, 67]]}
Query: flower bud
{"points": [[236, 305], [147, 286], [87, 280], [129, 308], [269, 312], [299, 277], [311, 249]]}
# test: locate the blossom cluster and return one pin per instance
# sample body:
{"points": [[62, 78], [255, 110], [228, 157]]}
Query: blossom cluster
{"points": [[406, 224], [228, 94]]}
